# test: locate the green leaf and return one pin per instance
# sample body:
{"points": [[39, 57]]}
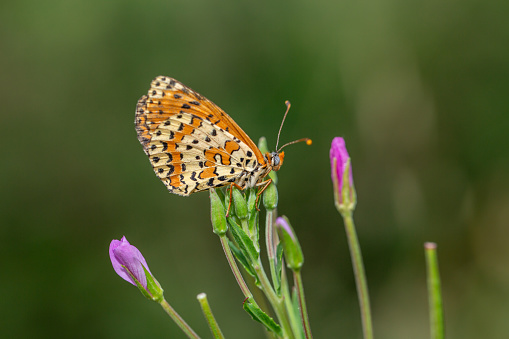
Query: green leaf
{"points": [[243, 241], [278, 267], [257, 314], [243, 260]]}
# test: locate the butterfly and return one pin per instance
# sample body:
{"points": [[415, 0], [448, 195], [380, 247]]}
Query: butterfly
{"points": [[193, 145]]}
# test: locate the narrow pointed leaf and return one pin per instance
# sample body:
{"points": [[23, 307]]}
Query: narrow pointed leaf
{"points": [[243, 241], [257, 314], [278, 266], [241, 258]]}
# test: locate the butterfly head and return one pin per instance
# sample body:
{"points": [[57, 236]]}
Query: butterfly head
{"points": [[275, 160]]}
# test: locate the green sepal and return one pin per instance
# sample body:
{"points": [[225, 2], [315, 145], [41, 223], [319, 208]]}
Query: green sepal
{"points": [[154, 287], [244, 242], [240, 204], [140, 286], [278, 269], [348, 195], [241, 258], [158, 296], [257, 314], [270, 197], [217, 213]]}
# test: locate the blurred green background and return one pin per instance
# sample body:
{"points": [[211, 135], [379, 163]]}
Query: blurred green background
{"points": [[419, 90]]}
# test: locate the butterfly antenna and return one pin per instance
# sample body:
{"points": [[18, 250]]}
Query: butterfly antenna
{"points": [[287, 103], [307, 140]]}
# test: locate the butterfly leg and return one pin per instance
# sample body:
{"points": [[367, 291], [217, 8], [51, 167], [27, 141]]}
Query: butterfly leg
{"points": [[265, 184], [231, 191]]}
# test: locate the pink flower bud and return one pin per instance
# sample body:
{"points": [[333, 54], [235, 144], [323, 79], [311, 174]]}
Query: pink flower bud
{"points": [[339, 158], [126, 259]]}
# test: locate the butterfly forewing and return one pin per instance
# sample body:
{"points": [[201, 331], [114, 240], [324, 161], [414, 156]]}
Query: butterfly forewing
{"points": [[192, 144]]}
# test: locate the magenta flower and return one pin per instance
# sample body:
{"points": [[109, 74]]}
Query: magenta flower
{"points": [[339, 158], [126, 259]]}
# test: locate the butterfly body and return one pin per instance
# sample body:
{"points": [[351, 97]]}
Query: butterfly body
{"points": [[193, 145]]}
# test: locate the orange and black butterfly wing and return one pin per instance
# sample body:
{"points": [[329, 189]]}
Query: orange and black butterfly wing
{"points": [[192, 144]]}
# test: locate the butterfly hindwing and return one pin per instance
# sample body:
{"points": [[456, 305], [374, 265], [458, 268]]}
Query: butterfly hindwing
{"points": [[190, 154]]}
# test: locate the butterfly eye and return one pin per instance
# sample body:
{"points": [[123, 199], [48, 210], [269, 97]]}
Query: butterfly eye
{"points": [[275, 161]]}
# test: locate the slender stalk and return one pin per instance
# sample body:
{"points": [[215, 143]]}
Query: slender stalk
{"points": [[178, 320], [235, 269], [434, 292], [270, 242], [209, 316], [302, 303], [276, 302], [295, 322], [269, 234], [360, 275]]}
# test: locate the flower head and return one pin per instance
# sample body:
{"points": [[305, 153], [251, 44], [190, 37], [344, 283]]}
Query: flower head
{"points": [[344, 191], [130, 265], [291, 247], [128, 262]]}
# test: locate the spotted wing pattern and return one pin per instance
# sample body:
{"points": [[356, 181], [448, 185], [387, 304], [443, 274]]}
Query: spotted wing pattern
{"points": [[192, 144]]}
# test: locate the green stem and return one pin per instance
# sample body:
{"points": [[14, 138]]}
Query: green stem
{"points": [[209, 316], [276, 302], [235, 269], [178, 320], [360, 275], [302, 303], [271, 255], [434, 292], [295, 322]]}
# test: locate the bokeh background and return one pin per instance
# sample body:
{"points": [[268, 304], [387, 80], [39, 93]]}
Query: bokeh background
{"points": [[419, 90]]}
